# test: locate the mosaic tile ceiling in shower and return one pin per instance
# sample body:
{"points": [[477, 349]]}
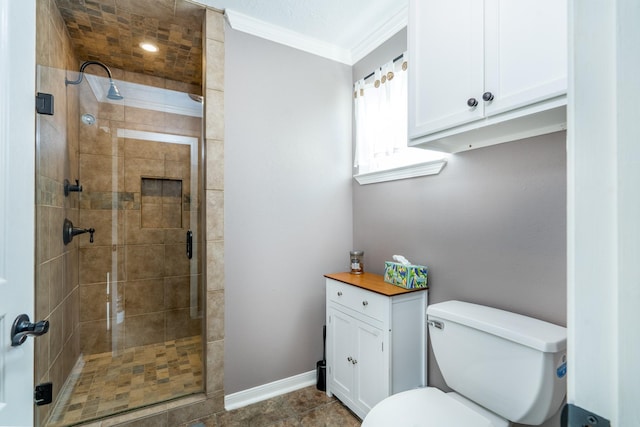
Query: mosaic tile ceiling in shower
{"points": [[112, 30]]}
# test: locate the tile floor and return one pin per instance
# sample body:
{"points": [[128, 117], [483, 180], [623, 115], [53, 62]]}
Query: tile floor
{"points": [[306, 407], [104, 384]]}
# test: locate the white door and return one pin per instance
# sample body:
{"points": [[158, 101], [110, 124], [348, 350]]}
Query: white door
{"points": [[17, 219]]}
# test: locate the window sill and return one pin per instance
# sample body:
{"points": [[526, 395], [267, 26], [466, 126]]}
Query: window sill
{"points": [[411, 171]]}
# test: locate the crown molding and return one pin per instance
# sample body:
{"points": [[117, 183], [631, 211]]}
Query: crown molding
{"points": [[372, 41], [265, 30]]}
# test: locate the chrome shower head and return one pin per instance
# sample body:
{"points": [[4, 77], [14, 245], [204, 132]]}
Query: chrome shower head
{"points": [[113, 93]]}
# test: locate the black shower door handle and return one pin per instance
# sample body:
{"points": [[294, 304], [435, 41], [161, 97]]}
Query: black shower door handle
{"points": [[189, 244]]}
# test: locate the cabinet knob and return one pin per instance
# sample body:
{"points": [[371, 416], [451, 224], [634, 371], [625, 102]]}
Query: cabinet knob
{"points": [[349, 359], [472, 102], [354, 361], [339, 293], [365, 303], [487, 96]]}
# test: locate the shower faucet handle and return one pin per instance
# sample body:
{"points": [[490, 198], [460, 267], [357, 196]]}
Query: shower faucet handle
{"points": [[68, 231]]}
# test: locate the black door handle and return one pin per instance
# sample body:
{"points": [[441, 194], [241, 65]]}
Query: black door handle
{"points": [[189, 244], [23, 328]]}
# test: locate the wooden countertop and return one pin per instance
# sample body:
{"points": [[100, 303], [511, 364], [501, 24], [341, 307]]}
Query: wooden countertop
{"points": [[371, 282]]}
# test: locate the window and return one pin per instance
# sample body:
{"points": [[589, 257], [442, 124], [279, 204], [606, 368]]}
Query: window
{"points": [[380, 108]]}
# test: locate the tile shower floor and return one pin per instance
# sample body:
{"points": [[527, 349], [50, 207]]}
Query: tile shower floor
{"points": [[102, 384]]}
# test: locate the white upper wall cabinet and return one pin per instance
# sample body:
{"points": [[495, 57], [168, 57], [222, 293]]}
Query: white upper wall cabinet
{"points": [[485, 72]]}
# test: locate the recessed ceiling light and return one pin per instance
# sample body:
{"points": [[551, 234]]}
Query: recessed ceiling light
{"points": [[149, 47]]}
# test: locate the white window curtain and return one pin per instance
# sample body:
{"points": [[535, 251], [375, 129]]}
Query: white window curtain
{"points": [[381, 115], [380, 109]]}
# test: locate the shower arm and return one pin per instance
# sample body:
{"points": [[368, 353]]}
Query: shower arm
{"points": [[85, 65]]}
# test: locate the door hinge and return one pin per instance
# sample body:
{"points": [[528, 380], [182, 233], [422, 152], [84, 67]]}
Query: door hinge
{"points": [[43, 395], [44, 103], [575, 416]]}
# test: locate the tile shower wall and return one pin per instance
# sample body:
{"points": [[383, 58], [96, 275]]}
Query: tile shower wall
{"points": [[145, 298], [56, 290]]}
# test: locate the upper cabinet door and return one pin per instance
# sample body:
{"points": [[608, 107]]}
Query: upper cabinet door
{"points": [[525, 52], [446, 72]]}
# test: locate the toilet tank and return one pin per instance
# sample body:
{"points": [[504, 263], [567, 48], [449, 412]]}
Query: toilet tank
{"points": [[511, 364]]}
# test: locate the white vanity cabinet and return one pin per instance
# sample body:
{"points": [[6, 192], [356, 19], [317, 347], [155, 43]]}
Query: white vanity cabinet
{"points": [[376, 339], [485, 71]]}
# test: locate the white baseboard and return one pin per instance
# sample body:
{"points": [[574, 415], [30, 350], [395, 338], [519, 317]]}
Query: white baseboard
{"points": [[267, 391]]}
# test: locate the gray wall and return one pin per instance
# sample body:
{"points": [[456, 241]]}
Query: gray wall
{"points": [[287, 205], [491, 226]]}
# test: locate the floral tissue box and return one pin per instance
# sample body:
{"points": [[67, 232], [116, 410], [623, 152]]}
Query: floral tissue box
{"points": [[406, 276]]}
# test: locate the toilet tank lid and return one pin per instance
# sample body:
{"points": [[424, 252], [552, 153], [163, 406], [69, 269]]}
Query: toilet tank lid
{"points": [[534, 333]]}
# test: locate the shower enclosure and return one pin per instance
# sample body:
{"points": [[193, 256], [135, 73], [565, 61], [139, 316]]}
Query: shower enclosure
{"points": [[119, 190]]}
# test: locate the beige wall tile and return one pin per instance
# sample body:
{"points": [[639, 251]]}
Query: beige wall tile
{"points": [[214, 111], [96, 338], [144, 329], [215, 215], [96, 262], [144, 296], [145, 261], [140, 115], [179, 324], [134, 234], [176, 262], [94, 301], [215, 265], [215, 64], [215, 366], [136, 168], [99, 173], [177, 291], [215, 165], [215, 25], [215, 320]]}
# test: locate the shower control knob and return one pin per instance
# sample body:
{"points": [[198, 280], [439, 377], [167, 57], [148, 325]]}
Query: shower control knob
{"points": [[23, 328]]}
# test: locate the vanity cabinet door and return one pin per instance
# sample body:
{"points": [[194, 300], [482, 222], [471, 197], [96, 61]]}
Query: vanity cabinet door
{"points": [[371, 367], [340, 346]]}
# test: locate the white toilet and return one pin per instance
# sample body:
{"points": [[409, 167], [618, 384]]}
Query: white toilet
{"points": [[504, 367]]}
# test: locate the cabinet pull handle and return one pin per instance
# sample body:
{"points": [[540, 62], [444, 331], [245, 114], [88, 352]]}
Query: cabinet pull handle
{"points": [[472, 102], [487, 96], [339, 293], [365, 303]]}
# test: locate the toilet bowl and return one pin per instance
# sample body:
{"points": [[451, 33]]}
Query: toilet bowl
{"points": [[430, 407], [504, 367]]}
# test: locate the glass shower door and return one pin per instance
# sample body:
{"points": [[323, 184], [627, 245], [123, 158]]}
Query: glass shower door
{"points": [[124, 297]]}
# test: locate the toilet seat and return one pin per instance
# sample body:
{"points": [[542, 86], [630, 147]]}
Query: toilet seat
{"points": [[430, 407]]}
